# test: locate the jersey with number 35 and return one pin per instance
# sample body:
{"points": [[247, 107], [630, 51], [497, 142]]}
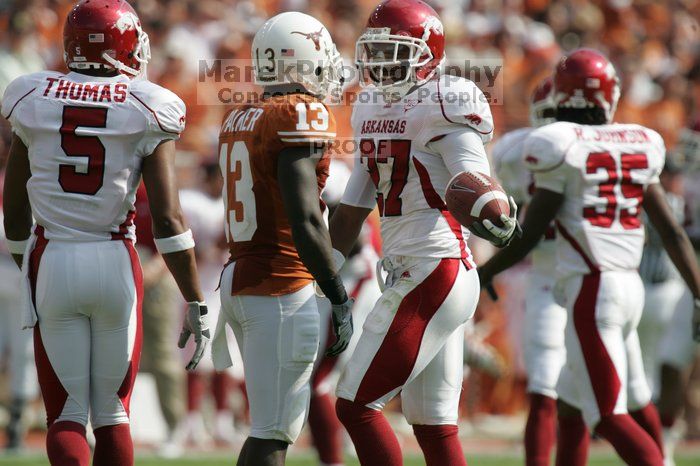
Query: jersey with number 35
{"points": [[257, 228], [86, 138], [603, 172]]}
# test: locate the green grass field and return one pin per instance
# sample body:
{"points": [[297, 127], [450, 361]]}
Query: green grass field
{"points": [[485, 460]]}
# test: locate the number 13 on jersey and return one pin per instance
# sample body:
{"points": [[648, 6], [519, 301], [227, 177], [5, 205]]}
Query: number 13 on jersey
{"points": [[241, 212]]}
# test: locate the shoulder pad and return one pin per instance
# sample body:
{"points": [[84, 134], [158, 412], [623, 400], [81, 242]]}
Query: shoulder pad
{"points": [[545, 148], [163, 108], [462, 103], [300, 120], [508, 148], [21, 87]]}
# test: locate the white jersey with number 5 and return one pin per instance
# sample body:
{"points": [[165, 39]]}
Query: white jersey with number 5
{"points": [[86, 137], [603, 172], [401, 172]]}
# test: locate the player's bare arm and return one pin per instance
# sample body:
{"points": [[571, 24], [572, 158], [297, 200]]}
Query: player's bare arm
{"points": [[168, 224], [539, 216], [296, 175], [18, 213], [345, 226], [676, 243]]}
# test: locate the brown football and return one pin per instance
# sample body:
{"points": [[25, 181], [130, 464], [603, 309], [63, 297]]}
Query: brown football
{"points": [[474, 197]]}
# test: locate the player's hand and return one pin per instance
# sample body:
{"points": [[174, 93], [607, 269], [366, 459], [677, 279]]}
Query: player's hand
{"points": [[195, 324], [500, 236], [696, 321], [342, 326]]}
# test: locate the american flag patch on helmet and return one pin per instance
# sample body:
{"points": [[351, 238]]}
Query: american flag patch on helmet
{"points": [[287, 52], [96, 38]]}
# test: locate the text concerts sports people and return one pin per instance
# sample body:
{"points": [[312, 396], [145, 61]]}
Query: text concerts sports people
{"points": [[416, 129], [593, 178], [273, 156], [82, 142]]}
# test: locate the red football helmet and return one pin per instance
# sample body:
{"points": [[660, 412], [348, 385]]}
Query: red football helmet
{"points": [[541, 105], [585, 78], [687, 150], [105, 34], [401, 35]]}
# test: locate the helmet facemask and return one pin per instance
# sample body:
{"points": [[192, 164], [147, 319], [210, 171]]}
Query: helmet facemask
{"points": [[392, 63]]}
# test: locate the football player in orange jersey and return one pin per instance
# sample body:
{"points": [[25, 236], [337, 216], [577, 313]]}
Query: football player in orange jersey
{"points": [[274, 161]]}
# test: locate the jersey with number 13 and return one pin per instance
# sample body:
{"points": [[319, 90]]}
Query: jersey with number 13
{"points": [[257, 228]]}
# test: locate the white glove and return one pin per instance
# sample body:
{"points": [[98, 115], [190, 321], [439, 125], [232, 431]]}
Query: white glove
{"points": [[500, 236], [195, 323], [696, 321], [342, 326]]}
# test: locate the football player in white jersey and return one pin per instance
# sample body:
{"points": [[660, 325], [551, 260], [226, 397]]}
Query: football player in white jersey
{"points": [[594, 177], [545, 320], [82, 140], [416, 129]]}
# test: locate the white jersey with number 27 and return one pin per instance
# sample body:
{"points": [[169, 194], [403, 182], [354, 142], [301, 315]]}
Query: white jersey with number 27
{"points": [[86, 138], [603, 172]]}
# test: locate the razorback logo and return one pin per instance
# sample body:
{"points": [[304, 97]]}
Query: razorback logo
{"points": [[531, 159], [474, 119], [127, 21], [313, 36], [431, 24]]}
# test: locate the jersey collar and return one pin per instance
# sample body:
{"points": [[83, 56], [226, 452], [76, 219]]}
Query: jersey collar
{"points": [[79, 77]]}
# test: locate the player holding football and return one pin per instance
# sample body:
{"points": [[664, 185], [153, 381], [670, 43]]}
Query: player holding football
{"points": [[81, 143], [593, 178], [545, 320], [417, 130], [274, 161]]}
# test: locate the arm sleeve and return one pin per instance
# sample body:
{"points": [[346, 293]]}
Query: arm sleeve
{"points": [[463, 151], [657, 157], [360, 190]]}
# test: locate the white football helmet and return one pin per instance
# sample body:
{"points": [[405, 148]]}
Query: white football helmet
{"points": [[295, 48]]}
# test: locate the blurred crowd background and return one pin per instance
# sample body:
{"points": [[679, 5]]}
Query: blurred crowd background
{"points": [[655, 46]]}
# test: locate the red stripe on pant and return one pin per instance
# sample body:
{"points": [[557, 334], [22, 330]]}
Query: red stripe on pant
{"points": [[127, 386], [398, 352], [53, 392], [601, 370]]}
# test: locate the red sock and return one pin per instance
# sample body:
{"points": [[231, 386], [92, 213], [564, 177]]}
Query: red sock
{"points": [[219, 388], [195, 391], [572, 446], [648, 419], [375, 442], [630, 441], [440, 445], [66, 444], [113, 446], [325, 429], [540, 430]]}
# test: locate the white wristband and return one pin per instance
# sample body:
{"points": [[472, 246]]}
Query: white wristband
{"points": [[176, 243], [16, 247], [339, 259]]}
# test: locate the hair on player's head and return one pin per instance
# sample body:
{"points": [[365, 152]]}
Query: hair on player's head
{"points": [[582, 116]]}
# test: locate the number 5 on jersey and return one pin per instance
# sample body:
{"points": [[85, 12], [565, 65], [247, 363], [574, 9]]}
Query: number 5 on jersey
{"points": [[241, 212]]}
